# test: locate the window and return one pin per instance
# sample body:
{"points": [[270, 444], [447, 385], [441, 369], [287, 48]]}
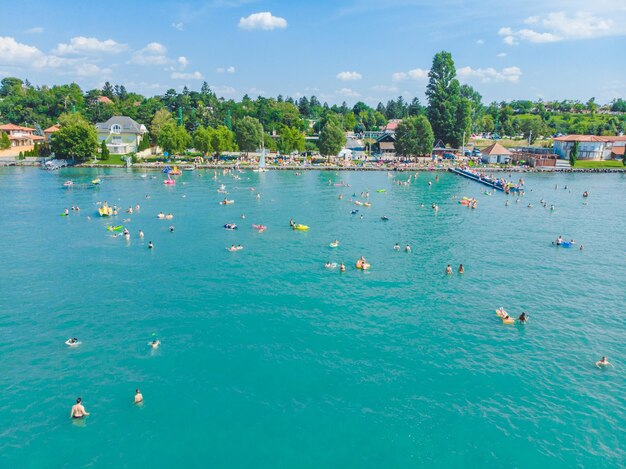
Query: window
{"points": [[116, 129], [116, 140]]}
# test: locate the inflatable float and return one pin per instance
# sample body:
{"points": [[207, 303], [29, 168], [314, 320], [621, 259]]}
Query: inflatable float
{"points": [[300, 227], [227, 202], [362, 265], [503, 315], [230, 226], [334, 244], [115, 228], [105, 211]]}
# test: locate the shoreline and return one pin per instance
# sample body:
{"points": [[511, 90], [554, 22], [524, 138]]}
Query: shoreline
{"points": [[411, 168]]}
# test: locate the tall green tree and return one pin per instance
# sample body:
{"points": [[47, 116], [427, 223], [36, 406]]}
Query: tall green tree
{"points": [[5, 141], [173, 138], [248, 134], [444, 94], [332, 139], [414, 137], [573, 154], [161, 118], [76, 138], [222, 140], [202, 140], [104, 151], [291, 139]]}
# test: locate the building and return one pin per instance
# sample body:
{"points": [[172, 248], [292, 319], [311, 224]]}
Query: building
{"points": [[121, 134], [385, 146], [22, 138], [103, 100], [590, 147], [49, 131], [495, 153], [392, 126]]}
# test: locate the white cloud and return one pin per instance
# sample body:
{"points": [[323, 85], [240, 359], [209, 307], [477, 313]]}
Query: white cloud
{"points": [[490, 74], [186, 76], [83, 45], [501, 54], [385, 88], [223, 90], [91, 70], [415, 74], [230, 70], [16, 53], [480, 42], [262, 20], [35, 30], [179, 26], [349, 76], [348, 93], [255, 91], [182, 62], [153, 54], [560, 26]]}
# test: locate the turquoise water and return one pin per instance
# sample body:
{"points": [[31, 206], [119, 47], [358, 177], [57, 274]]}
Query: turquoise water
{"points": [[270, 360]]}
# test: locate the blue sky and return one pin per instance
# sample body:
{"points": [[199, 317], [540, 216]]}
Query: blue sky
{"points": [[335, 49]]}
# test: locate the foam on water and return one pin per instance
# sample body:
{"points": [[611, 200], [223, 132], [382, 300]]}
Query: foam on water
{"points": [[269, 359]]}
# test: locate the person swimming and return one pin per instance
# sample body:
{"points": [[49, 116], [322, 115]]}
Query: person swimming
{"points": [[396, 247], [448, 270], [138, 396], [523, 317], [141, 234], [461, 269], [559, 240], [66, 212], [342, 267], [171, 228], [78, 410], [407, 248], [150, 245], [603, 362], [155, 343], [328, 265], [72, 342]]}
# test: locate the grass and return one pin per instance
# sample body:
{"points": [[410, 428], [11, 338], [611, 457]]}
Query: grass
{"points": [[507, 142], [599, 164], [113, 159]]}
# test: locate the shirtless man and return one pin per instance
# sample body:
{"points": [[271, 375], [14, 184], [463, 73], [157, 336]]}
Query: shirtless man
{"points": [[138, 396], [603, 362], [78, 410]]}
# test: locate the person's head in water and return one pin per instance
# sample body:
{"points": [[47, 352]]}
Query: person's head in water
{"points": [[78, 400]]}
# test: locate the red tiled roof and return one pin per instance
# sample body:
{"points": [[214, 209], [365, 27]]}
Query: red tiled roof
{"points": [[104, 99], [589, 138], [392, 124], [9, 127], [619, 151], [52, 129], [495, 149]]}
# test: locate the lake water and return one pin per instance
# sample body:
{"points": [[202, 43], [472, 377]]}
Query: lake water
{"points": [[268, 359]]}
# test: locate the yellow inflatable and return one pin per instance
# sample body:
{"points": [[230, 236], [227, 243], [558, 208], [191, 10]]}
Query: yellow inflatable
{"points": [[105, 211], [300, 227], [504, 316], [362, 265]]}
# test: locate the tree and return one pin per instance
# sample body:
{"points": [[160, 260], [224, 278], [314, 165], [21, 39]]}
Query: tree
{"points": [[443, 93], [349, 122], [223, 139], [5, 141], [248, 134], [414, 137], [332, 139], [173, 138], [573, 154], [76, 138], [160, 119], [104, 151], [144, 144], [202, 140], [291, 139]]}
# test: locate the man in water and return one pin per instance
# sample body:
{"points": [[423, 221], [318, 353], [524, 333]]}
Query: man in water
{"points": [[171, 228], [407, 248], [342, 267], [78, 410], [461, 269], [559, 240], [138, 396], [155, 343], [449, 270], [141, 234], [150, 245], [396, 247], [603, 362], [523, 317]]}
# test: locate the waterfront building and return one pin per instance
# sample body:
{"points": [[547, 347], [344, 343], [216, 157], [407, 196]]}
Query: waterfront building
{"points": [[121, 134], [22, 138], [590, 147], [496, 153]]}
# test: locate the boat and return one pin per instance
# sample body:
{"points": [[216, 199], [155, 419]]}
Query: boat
{"points": [[300, 227], [105, 211], [262, 167]]}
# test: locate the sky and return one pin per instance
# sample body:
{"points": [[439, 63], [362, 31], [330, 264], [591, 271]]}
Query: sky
{"points": [[337, 50]]}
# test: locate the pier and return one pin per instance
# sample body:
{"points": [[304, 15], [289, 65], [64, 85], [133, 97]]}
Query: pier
{"points": [[486, 180]]}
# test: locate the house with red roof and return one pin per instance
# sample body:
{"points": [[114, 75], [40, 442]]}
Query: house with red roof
{"points": [[590, 147], [49, 131], [22, 138]]}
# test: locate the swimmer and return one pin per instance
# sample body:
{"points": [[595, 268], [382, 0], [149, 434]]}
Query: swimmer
{"points": [[461, 269], [258, 196], [77, 208], [130, 210], [328, 265], [523, 317], [342, 267], [581, 247], [150, 245], [396, 247], [292, 223], [138, 396], [155, 343], [530, 205], [141, 234], [66, 212], [506, 204], [171, 228], [78, 410], [243, 216], [559, 240], [72, 342], [407, 248], [448, 270], [137, 207], [551, 208], [603, 362]]}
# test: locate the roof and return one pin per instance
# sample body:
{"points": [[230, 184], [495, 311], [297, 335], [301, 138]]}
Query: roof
{"points": [[104, 100], [387, 146], [619, 151], [495, 149], [9, 127], [128, 125], [392, 124], [52, 129], [590, 138], [386, 138]]}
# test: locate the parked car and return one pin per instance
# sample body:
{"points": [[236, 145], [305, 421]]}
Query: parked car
{"points": [[449, 156], [467, 153]]}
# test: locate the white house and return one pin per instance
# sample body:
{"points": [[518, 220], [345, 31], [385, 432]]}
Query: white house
{"points": [[590, 147], [121, 134]]}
